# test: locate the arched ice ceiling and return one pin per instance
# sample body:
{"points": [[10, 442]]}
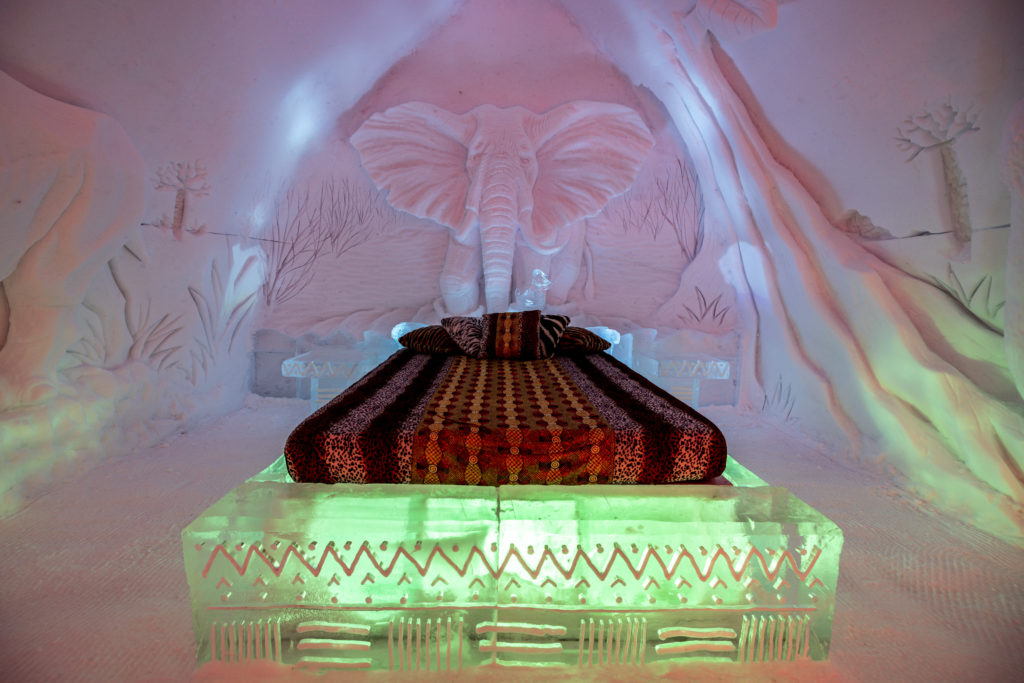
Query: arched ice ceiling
{"points": [[224, 79]]}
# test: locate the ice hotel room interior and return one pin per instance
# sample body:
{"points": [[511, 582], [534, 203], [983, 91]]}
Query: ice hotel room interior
{"points": [[512, 340]]}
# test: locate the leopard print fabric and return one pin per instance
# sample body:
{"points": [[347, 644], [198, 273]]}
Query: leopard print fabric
{"points": [[365, 434], [658, 439], [633, 432]]}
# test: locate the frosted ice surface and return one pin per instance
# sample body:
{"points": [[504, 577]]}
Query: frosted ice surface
{"points": [[396, 576], [535, 296], [404, 328], [608, 334]]}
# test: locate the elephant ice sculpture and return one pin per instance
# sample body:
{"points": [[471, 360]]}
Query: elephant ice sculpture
{"points": [[504, 180], [71, 191]]}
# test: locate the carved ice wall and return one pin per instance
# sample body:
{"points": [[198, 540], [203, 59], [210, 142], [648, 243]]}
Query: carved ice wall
{"points": [[1013, 171], [71, 195], [768, 264], [854, 335], [162, 337], [641, 260], [111, 337]]}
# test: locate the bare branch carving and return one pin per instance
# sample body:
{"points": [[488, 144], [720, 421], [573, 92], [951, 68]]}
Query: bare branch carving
{"points": [[675, 202], [931, 129], [305, 227], [635, 212], [190, 177], [681, 206], [295, 240]]}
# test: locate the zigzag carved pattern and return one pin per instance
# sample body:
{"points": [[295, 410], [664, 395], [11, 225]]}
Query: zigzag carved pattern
{"points": [[771, 569]]}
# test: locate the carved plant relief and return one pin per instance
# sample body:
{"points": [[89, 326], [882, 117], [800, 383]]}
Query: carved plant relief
{"points": [[939, 128], [186, 179]]}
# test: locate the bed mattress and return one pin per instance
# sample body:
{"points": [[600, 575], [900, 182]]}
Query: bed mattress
{"points": [[454, 419]]}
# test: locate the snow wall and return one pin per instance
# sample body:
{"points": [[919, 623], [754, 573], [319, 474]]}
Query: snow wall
{"points": [[822, 205]]}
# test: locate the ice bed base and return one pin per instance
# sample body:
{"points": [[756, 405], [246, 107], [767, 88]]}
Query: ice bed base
{"points": [[396, 577]]}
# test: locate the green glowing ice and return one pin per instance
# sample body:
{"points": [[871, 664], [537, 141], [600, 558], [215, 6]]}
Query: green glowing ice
{"points": [[385, 576]]}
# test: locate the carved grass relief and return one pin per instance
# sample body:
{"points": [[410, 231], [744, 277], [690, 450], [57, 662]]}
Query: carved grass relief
{"points": [[976, 300], [780, 401], [712, 310], [222, 308]]}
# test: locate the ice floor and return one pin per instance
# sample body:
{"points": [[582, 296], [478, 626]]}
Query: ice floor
{"points": [[95, 589]]}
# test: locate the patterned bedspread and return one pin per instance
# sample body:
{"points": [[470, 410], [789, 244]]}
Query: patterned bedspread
{"points": [[453, 419]]}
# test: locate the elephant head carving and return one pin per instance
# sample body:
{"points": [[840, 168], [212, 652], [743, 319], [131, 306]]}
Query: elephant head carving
{"points": [[498, 177]]}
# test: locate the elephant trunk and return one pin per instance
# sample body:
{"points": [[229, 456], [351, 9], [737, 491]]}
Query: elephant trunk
{"points": [[499, 223], [498, 249]]}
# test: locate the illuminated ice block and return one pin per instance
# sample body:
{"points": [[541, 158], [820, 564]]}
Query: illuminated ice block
{"points": [[330, 370], [662, 572], [319, 576]]}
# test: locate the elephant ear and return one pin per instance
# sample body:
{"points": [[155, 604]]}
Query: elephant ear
{"points": [[587, 153], [416, 152]]}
